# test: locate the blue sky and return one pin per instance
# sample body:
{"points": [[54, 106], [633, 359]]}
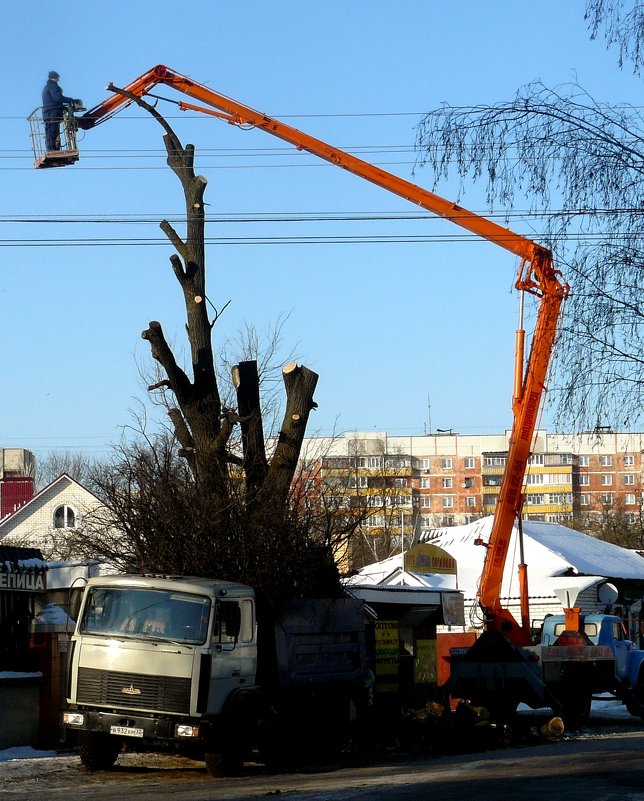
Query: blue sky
{"points": [[386, 325]]}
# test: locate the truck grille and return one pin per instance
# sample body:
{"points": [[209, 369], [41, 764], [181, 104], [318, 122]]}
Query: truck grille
{"points": [[133, 691]]}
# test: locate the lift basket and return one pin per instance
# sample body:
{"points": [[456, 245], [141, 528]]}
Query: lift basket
{"points": [[68, 152]]}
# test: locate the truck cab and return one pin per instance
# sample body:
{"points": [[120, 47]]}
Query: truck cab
{"points": [[158, 658], [601, 631]]}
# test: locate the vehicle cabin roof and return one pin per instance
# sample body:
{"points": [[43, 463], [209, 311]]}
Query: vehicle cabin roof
{"points": [[207, 586]]}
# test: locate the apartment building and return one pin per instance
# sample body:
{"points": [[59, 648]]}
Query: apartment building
{"points": [[404, 485]]}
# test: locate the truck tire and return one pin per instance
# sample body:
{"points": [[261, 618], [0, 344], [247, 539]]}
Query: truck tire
{"points": [[635, 703], [220, 764], [576, 704], [98, 751]]}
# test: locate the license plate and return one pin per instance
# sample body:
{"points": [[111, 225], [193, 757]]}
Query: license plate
{"points": [[126, 731]]}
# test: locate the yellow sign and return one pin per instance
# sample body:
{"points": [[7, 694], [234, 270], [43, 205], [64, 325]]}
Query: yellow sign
{"points": [[425, 558], [387, 655]]}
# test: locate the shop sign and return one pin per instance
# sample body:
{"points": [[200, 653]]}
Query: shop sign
{"points": [[453, 608], [23, 582], [426, 558], [387, 655]]}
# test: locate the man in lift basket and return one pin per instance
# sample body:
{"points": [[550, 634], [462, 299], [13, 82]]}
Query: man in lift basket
{"points": [[53, 103]]}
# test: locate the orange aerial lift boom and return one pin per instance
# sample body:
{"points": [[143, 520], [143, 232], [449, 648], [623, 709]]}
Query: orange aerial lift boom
{"points": [[536, 276]]}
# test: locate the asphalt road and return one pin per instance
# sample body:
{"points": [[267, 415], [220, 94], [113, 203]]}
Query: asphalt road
{"points": [[605, 766]]}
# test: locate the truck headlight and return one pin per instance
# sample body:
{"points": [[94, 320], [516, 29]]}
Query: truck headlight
{"points": [[73, 718], [185, 730]]}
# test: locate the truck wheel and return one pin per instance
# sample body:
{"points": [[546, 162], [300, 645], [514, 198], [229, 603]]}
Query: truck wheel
{"points": [[224, 763], [98, 751], [635, 704], [576, 704]]}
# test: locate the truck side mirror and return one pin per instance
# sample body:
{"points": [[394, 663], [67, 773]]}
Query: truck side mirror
{"points": [[230, 614]]}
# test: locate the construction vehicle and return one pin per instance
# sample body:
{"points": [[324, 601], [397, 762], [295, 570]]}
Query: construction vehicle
{"points": [[206, 667], [502, 668], [585, 655]]}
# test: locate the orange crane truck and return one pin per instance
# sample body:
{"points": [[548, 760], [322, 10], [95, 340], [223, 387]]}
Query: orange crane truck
{"points": [[503, 668]]}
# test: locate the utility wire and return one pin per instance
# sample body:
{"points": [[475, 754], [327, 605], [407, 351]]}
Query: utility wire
{"points": [[250, 218], [285, 240]]}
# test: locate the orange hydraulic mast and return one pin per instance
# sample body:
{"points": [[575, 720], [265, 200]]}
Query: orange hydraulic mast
{"points": [[536, 275]]}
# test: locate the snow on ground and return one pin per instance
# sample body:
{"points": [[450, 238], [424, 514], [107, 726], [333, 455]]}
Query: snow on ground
{"points": [[26, 752], [607, 709]]}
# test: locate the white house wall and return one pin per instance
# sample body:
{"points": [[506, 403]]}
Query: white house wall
{"points": [[33, 524]]}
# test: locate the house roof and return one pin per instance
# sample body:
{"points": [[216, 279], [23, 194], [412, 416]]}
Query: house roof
{"points": [[556, 556], [64, 480]]}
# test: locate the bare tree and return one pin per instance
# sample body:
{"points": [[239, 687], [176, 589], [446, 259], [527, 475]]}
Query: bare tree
{"points": [[215, 501], [613, 522], [622, 26], [579, 163], [76, 464]]}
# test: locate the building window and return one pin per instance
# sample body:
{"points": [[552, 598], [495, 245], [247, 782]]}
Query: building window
{"points": [[607, 481], [631, 517], [629, 461], [64, 517], [424, 464], [629, 499], [448, 502], [584, 499], [495, 461], [606, 460], [584, 461], [534, 499], [425, 502], [534, 478], [629, 479], [375, 461], [560, 498], [468, 483], [447, 483], [536, 458], [469, 462], [607, 498], [446, 464], [424, 483], [558, 518], [470, 502], [489, 500], [584, 480], [363, 481], [400, 482], [399, 462]]}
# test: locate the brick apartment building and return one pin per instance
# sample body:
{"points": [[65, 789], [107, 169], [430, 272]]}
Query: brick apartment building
{"points": [[410, 484]]}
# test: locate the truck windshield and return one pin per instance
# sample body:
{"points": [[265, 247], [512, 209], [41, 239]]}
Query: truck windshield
{"points": [[146, 614]]}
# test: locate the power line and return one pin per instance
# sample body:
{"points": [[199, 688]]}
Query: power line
{"points": [[302, 217], [288, 240]]}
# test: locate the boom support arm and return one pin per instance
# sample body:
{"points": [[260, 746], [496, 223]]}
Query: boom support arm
{"points": [[536, 275]]}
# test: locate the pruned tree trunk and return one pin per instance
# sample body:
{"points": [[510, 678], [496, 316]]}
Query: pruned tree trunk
{"points": [[246, 381], [300, 383], [202, 426]]}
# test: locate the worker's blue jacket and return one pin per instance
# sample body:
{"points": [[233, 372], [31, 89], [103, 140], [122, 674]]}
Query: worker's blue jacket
{"points": [[53, 101]]}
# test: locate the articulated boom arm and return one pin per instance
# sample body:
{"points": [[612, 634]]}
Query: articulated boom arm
{"points": [[526, 405], [536, 276]]}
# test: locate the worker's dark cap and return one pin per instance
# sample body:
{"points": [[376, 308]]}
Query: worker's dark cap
{"points": [[53, 74]]}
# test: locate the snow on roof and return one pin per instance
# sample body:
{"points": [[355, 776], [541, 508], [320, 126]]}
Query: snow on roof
{"points": [[551, 551], [587, 555]]}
